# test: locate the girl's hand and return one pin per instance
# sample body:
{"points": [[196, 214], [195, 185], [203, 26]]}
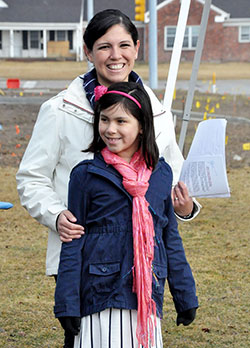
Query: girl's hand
{"points": [[71, 324], [182, 202], [67, 228], [186, 317]]}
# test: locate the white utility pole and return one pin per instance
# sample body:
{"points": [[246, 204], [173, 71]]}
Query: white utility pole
{"points": [[153, 47], [90, 9], [79, 55], [90, 14]]}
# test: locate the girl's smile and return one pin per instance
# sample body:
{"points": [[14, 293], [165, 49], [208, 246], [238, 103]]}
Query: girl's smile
{"points": [[120, 131], [113, 140]]}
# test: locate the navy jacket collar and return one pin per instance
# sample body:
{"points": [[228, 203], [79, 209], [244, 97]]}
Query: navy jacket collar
{"points": [[99, 167]]}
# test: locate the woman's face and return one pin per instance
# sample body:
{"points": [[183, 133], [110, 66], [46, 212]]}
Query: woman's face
{"points": [[113, 55]]}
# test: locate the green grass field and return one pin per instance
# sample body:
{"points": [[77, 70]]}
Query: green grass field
{"points": [[217, 247], [216, 244], [67, 70]]}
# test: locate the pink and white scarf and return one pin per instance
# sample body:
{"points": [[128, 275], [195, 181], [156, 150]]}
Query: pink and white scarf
{"points": [[135, 180]]}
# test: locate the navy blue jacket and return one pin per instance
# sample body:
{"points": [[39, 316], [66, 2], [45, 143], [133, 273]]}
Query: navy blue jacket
{"points": [[95, 271]]}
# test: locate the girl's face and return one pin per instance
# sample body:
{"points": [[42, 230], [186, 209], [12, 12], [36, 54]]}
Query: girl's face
{"points": [[120, 131], [113, 55]]}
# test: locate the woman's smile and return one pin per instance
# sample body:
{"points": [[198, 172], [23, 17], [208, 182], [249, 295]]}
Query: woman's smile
{"points": [[116, 66]]}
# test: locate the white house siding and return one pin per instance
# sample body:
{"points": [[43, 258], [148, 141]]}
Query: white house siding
{"points": [[16, 49]]}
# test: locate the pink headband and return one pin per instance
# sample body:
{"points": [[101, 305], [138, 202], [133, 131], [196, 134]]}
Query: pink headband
{"points": [[101, 90]]}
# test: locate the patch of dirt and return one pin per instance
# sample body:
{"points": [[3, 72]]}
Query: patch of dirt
{"points": [[17, 122]]}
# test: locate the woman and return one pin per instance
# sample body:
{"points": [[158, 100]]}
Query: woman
{"points": [[65, 126]]}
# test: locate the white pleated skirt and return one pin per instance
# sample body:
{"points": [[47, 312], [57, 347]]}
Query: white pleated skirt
{"points": [[113, 328]]}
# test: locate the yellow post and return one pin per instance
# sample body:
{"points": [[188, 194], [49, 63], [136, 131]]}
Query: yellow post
{"points": [[214, 83]]}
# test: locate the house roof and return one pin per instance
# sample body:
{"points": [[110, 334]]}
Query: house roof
{"points": [[41, 11], [127, 7], [236, 9], [69, 11], [57, 11]]}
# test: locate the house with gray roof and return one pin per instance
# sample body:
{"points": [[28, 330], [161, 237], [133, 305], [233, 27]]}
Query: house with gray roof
{"points": [[54, 28], [41, 28]]}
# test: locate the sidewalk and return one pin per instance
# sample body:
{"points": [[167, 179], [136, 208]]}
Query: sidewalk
{"points": [[234, 87]]}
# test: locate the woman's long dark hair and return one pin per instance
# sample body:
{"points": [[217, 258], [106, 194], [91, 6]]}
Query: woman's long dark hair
{"points": [[144, 115]]}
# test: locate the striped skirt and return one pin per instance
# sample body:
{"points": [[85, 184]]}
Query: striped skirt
{"points": [[113, 328]]}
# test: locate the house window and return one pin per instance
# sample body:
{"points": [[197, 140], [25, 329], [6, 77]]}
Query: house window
{"points": [[169, 35], [244, 33], [51, 35], [1, 39], [62, 35], [25, 39], [189, 41], [70, 38], [41, 40], [34, 39]]}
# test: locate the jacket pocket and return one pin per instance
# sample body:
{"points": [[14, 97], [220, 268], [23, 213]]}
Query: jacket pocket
{"points": [[159, 278], [104, 276]]}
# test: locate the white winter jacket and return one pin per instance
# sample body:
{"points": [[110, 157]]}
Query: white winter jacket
{"points": [[64, 128]]}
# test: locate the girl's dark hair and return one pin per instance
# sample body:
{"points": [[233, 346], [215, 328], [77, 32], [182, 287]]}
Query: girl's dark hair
{"points": [[104, 20], [144, 115]]}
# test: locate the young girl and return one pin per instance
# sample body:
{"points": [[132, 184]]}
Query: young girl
{"points": [[113, 276]]}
